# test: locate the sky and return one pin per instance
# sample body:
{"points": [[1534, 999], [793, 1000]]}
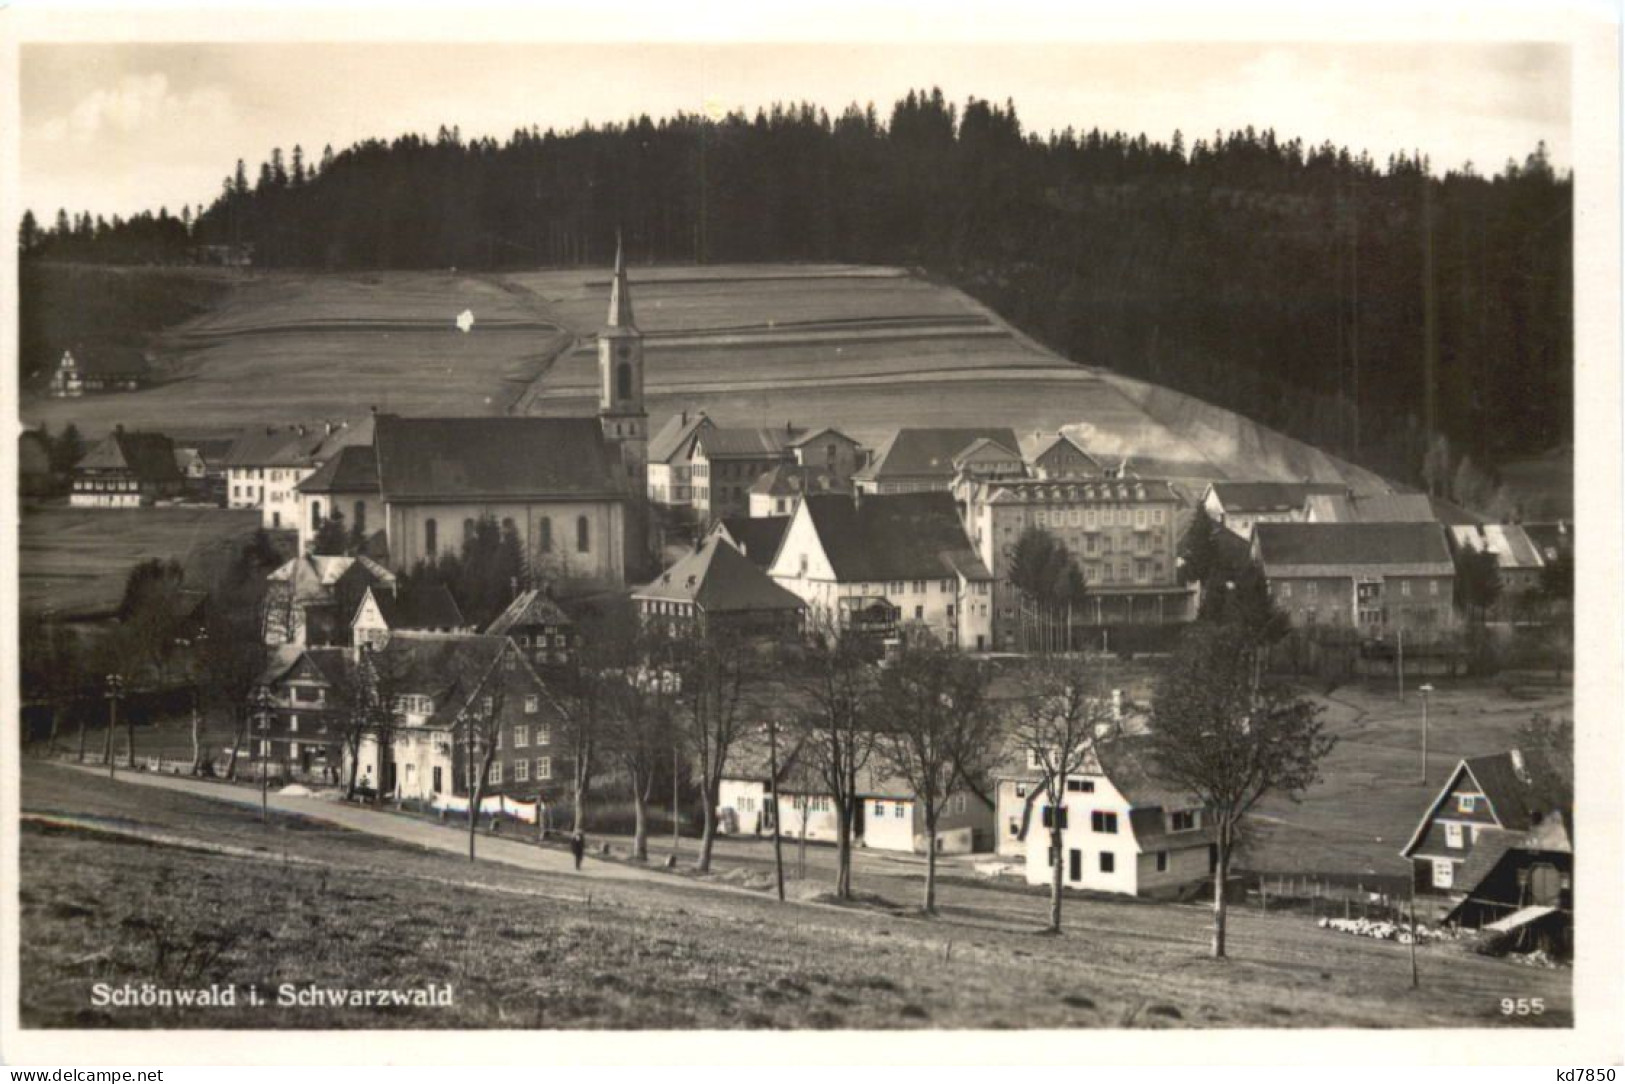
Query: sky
{"points": [[135, 126]]}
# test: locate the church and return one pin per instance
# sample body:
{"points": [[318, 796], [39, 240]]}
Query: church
{"points": [[564, 485]]}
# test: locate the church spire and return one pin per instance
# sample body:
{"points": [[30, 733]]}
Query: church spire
{"points": [[620, 297]]}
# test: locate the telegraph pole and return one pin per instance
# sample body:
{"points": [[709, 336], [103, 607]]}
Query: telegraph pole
{"points": [[773, 781]]}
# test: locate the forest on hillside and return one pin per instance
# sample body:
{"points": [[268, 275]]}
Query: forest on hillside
{"points": [[1405, 320]]}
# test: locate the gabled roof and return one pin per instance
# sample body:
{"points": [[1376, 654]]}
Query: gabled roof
{"points": [[450, 668], [1255, 497], [675, 435], [1513, 548], [494, 458], [148, 456], [794, 480], [757, 536], [313, 576], [1039, 445], [418, 606], [1504, 781], [353, 470], [907, 536], [258, 446], [330, 663], [1330, 549], [983, 445], [528, 609], [719, 579], [811, 435], [929, 453], [746, 443]]}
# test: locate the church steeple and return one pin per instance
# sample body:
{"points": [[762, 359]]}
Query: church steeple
{"points": [[620, 377], [620, 297]]}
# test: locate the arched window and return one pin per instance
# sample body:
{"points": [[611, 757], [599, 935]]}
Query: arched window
{"points": [[583, 538], [360, 520], [431, 537], [623, 381], [547, 535], [315, 513]]}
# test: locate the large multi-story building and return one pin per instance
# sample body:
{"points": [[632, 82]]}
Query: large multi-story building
{"points": [[878, 565], [923, 460], [1121, 532], [1372, 576]]}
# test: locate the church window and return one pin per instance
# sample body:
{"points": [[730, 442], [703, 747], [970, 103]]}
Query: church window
{"points": [[623, 380], [547, 534], [583, 537], [431, 537]]}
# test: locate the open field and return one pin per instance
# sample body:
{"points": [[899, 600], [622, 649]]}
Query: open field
{"points": [[1371, 797], [235, 902], [74, 560], [865, 348]]}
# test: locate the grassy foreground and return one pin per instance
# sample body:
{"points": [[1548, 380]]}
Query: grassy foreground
{"points": [[221, 899]]}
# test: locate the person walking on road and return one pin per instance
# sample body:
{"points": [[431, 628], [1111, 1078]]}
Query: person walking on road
{"points": [[578, 847]]}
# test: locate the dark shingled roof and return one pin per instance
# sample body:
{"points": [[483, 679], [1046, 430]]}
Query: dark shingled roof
{"points": [[1510, 796], [498, 458], [258, 446], [528, 609], [419, 606], [907, 536], [148, 456], [674, 435], [747, 443], [719, 579], [1272, 496], [353, 470], [759, 535], [792, 480], [931, 452], [1552, 539], [1416, 549], [447, 667]]}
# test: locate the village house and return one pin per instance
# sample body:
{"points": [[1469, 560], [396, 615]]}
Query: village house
{"points": [[716, 589], [1121, 532], [880, 565], [1383, 508], [924, 460], [1517, 558], [1122, 829], [266, 464], [757, 537], [1490, 846], [1374, 577], [438, 682], [385, 609], [100, 368], [888, 817], [778, 493], [303, 735], [126, 470], [543, 631], [1237, 506], [312, 599], [727, 462], [671, 459]]}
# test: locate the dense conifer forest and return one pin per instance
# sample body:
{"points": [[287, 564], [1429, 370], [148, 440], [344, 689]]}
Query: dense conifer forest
{"points": [[1380, 310]]}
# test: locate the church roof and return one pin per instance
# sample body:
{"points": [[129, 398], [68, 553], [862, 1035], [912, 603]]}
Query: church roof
{"points": [[353, 470], [620, 296], [493, 458]]}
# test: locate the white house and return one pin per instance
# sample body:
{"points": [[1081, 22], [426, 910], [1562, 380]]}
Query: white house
{"points": [[1122, 830], [878, 564], [1239, 505]]}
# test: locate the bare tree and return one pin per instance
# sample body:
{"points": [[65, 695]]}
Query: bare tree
{"points": [[1064, 711], [1229, 738], [577, 689], [384, 709], [233, 657], [939, 736], [836, 685], [637, 696], [481, 724], [716, 670], [352, 694]]}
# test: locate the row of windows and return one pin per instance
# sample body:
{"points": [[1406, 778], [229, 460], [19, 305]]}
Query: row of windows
{"points": [[1101, 517], [1099, 820], [522, 735], [521, 771], [1311, 588], [431, 534]]}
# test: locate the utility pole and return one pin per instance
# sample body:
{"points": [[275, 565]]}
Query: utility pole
{"points": [[115, 688], [1425, 690], [1401, 664], [262, 712], [1416, 980], [676, 838]]}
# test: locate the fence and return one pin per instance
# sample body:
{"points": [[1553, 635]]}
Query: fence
{"points": [[1325, 897]]}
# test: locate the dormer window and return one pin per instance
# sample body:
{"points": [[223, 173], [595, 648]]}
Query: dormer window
{"points": [[1466, 803]]}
